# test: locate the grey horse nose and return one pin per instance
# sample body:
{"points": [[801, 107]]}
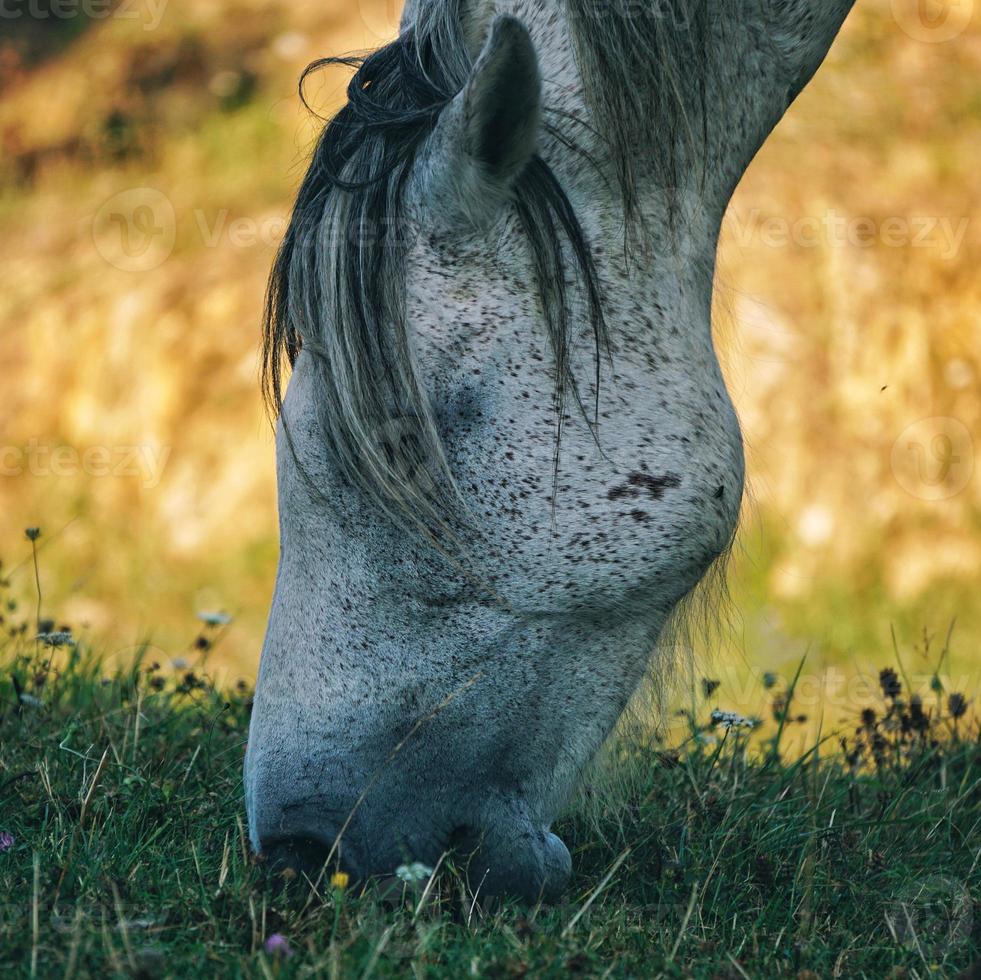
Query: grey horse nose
{"points": [[528, 863]]}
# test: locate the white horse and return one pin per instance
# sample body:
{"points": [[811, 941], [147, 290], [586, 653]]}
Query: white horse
{"points": [[506, 451]]}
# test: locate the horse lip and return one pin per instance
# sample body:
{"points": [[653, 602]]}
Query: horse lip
{"points": [[527, 861]]}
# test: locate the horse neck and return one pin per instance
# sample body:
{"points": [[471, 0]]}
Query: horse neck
{"points": [[682, 93]]}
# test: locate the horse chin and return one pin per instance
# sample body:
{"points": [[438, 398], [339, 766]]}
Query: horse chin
{"points": [[531, 864]]}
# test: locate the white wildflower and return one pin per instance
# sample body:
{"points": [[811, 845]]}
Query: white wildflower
{"points": [[62, 638], [214, 618], [731, 719], [414, 872]]}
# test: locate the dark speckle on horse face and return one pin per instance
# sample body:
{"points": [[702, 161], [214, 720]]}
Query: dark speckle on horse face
{"points": [[639, 483]]}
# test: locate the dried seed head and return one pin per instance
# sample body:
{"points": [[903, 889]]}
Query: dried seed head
{"points": [[889, 682], [709, 687], [957, 705]]}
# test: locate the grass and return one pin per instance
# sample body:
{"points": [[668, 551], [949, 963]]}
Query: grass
{"points": [[123, 852], [831, 350]]}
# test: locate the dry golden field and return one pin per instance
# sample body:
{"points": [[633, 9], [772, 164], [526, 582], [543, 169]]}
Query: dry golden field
{"points": [[147, 158]]}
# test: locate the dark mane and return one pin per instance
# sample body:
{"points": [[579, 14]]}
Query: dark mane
{"points": [[646, 72]]}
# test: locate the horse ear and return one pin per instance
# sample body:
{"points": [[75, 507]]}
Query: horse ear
{"points": [[488, 133]]}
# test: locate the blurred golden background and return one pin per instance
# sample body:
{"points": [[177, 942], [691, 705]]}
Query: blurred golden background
{"points": [[148, 153]]}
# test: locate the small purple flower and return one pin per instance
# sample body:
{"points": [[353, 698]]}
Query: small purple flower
{"points": [[6, 840], [278, 945]]}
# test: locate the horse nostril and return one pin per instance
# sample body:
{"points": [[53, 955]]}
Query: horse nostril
{"points": [[303, 855], [463, 839]]}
